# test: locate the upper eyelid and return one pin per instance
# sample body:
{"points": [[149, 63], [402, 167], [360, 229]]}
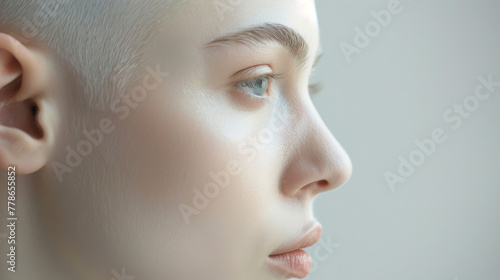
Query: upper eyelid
{"points": [[240, 75], [313, 88], [251, 72], [270, 75]]}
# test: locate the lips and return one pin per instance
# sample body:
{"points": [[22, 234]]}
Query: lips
{"points": [[291, 260]]}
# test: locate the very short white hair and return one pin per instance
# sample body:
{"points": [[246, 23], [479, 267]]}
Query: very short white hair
{"points": [[101, 42]]}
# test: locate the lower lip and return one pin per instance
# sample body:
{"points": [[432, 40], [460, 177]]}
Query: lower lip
{"points": [[295, 264]]}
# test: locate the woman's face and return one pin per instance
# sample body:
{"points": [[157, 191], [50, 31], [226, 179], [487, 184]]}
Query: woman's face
{"points": [[216, 170]]}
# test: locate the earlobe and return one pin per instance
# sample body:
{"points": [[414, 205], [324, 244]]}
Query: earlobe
{"points": [[27, 110]]}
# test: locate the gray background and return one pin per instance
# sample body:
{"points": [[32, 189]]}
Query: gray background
{"points": [[443, 222]]}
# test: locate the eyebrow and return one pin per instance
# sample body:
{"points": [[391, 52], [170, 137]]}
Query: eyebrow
{"points": [[269, 33]]}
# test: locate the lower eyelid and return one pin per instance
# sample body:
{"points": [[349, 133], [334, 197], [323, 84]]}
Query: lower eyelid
{"points": [[242, 91]]}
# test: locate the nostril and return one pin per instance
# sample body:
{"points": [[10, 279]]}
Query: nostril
{"points": [[323, 183]]}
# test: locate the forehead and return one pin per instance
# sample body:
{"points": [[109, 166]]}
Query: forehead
{"points": [[200, 22]]}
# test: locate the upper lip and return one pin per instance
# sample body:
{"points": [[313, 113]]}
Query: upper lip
{"points": [[311, 236]]}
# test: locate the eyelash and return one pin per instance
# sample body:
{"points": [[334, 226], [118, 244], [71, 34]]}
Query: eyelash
{"points": [[313, 88], [265, 97]]}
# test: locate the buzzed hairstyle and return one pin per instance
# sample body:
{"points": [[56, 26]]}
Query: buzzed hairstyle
{"points": [[101, 42]]}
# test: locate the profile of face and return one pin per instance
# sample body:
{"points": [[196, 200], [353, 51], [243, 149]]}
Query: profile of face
{"points": [[206, 170]]}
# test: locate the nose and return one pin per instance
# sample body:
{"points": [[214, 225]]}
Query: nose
{"points": [[316, 161]]}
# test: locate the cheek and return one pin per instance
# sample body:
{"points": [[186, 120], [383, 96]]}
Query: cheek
{"points": [[176, 151], [219, 162]]}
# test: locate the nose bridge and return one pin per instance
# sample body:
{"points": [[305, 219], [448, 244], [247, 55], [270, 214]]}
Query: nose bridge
{"points": [[317, 161]]}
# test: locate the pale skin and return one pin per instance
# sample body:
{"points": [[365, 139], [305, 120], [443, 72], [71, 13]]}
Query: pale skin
{"points": [[155, 157]]}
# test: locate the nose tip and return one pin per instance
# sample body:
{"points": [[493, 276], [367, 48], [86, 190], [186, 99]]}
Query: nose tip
{"points": [[320, 164], [316, 162], [333, 171], [342, 172]]}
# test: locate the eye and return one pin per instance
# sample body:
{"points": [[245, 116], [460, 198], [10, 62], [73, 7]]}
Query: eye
{"points": [[256, 86], [315, 88]]}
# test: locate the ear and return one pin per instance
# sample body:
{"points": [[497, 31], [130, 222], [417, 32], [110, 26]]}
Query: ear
{"points": [[27, 120]]}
